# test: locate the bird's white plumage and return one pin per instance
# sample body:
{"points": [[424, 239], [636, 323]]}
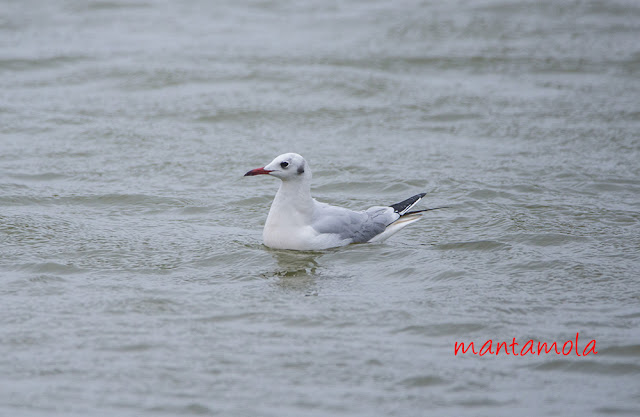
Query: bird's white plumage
{"points": [[299, 222]]}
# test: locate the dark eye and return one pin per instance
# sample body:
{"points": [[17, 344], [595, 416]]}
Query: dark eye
{"points": [[284, 164]]}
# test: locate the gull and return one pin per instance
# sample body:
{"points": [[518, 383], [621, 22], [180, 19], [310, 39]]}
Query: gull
{"points": [[296, 221]]}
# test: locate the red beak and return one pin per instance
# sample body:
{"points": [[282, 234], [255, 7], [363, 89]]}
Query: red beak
{"points": [[257, 171]]}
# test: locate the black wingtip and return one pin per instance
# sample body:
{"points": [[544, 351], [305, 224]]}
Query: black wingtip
{"points": [[405, 205]]}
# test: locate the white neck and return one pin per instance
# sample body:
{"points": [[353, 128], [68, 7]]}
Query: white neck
{"points": [[292, 205]]}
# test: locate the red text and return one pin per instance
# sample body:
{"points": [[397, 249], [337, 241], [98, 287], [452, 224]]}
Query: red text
{"points": [[529, 347]]}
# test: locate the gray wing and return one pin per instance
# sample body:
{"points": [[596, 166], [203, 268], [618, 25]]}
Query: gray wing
{"points": [[359, 226]]}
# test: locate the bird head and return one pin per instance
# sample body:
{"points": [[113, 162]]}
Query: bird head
{"points": [[288, 166]]}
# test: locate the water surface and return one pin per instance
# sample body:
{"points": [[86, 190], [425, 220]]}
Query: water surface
{"points": [[133, 280]]}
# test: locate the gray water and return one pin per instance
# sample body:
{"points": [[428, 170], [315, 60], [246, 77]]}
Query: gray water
{"points": [[133, 280]]}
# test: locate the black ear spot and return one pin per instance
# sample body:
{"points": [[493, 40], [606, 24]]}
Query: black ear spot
{"points": [[301, 169]]}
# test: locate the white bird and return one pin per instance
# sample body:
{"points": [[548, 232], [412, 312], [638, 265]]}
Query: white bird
{"points": [[297, 221]]}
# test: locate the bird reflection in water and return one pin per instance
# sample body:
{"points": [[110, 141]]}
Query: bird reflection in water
{"points": [[297, 270]]}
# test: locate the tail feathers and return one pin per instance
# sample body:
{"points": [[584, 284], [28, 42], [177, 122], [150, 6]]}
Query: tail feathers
{"points": [[408, 218], [396, 226], [403, 221], [422, 211]]}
